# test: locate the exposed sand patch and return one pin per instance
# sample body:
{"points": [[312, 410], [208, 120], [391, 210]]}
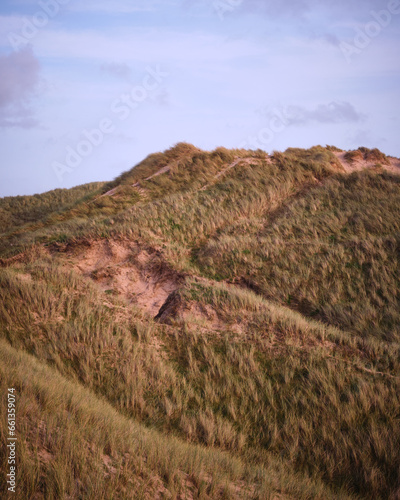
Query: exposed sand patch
{"points": [[361, 164], [27, 278], [123, 268]]}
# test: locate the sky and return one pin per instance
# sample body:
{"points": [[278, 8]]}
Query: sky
{"points": [[88, 88]]}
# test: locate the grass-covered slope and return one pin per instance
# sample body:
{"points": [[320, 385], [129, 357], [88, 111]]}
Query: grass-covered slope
{"points": [[16, 211], [279, 388], [72, 444], [333, 254], [272, 369]]}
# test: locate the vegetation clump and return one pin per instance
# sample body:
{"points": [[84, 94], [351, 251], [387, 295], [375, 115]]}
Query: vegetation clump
{"points": [[367, 155]]}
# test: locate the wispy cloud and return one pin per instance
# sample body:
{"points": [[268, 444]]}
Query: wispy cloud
{"points": [[327, 37], [300, 14], [119, 70], [120, 6], [19, 83], [332, 113], [299, 7]]}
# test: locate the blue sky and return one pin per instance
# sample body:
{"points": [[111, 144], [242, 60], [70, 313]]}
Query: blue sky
{"points": [[89, 88]]}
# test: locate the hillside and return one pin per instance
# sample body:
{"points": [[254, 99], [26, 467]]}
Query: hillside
{"points": [[19, 210], [219, 324]]}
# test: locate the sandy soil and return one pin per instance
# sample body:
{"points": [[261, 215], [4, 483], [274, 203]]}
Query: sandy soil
{"points": [[124, 269], [393, 167]]}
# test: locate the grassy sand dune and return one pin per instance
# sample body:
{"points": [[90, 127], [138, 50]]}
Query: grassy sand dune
{"points": [[209, 325]]}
